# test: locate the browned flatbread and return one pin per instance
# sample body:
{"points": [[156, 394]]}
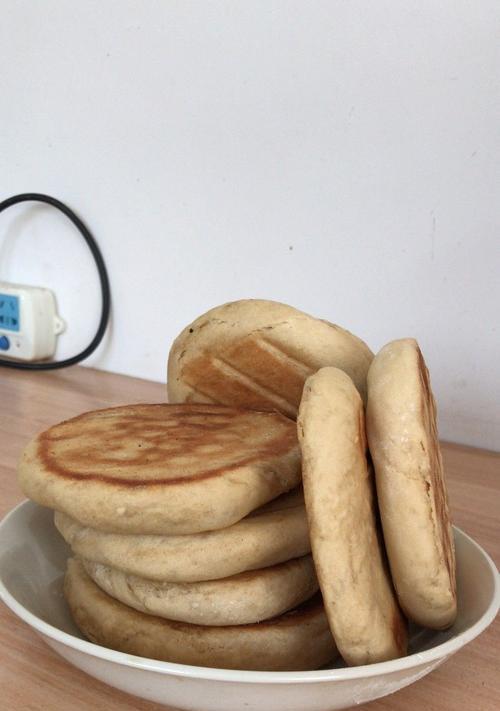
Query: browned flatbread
{"points": [[402, 434], [162, 469], [359, 599], [258, 354], [298, 640]]}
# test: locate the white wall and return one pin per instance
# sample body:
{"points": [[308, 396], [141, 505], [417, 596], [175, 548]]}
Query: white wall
{"points": [[339, 156]]}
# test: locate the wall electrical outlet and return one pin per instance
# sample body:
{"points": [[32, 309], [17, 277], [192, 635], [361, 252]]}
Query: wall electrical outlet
{"points": [[29, 324]]}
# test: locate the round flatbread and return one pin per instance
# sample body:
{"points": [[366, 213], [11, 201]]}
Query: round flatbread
{"points": [[360, 603], [298, 640], [258, 354], [241, 599], [272, 534], [162, 469], [402, 434]]}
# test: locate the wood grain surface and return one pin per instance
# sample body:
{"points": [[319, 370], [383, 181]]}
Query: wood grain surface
{"points": [[33, 678]]}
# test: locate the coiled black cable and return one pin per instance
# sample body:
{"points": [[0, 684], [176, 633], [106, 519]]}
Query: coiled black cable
{"points": [[103, 278]]}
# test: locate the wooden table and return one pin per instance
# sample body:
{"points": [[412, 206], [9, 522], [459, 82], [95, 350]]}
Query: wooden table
{"points": [[33, 678]]}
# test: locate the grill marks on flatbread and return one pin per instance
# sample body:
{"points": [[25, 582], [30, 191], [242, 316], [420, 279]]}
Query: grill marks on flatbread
{"points": [[258, 354], [252, 372]]}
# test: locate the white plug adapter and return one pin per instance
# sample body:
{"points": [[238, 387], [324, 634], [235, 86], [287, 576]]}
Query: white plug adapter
{"points": [[29, 324]]}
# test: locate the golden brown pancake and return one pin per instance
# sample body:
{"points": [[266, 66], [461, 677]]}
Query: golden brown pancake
{"points": [[298, 640], [348, 552], [273, 533], [258, 354], [402, 434], [162, 469]]}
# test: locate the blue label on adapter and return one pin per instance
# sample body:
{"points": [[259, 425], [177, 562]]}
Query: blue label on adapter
{"points": [[9, 312]]}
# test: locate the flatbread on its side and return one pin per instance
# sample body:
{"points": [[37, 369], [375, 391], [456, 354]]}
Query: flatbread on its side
{"points": [[360, 603], [402, 434]]}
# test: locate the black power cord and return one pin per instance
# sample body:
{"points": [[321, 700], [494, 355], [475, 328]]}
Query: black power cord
{"points": [[103, 278]]}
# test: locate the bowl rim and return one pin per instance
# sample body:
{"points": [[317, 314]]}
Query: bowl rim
{"points": [[262, 677]]}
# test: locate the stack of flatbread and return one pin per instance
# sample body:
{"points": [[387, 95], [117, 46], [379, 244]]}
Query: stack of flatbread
{"points": [[193, 540]]}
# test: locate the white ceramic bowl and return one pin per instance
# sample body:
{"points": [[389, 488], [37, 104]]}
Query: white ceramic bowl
{"points": [[32, 563]]}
